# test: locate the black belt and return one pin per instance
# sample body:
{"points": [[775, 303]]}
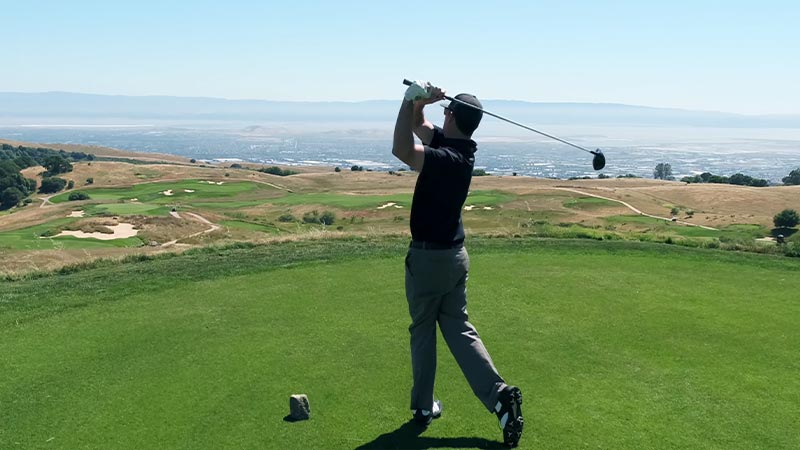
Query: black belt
{"points": [[436, 245]]}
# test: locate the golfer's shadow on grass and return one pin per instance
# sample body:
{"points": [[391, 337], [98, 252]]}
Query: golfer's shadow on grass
{"points": [[408, 437]]}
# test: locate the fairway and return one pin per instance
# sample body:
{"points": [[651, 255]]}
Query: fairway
{"points": [[185, 191], [616, 345]]}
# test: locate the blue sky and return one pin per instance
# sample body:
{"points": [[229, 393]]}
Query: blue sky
{"points": [[736, 56]]}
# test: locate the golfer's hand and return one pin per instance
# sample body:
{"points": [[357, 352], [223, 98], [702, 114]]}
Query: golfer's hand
{"points": [[422, 91], [435, 94]]}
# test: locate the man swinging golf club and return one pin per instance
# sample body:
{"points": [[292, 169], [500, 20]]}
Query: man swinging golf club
{"points": [[437, 263]]}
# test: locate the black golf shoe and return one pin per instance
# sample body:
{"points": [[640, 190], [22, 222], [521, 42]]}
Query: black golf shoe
{"points": [[425, 417], [509, 413]]}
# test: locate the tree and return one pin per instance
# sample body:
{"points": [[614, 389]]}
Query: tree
{"points": [[10, 197], [663, 171], [70, 184], [56, 164], [90, 180], [793, 179], [78, 195], [787, 218], [479, 173], [52, 185], [337, 169]]}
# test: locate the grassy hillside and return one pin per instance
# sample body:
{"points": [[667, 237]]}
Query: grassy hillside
{"points": [[615, 344], [244, 205]]}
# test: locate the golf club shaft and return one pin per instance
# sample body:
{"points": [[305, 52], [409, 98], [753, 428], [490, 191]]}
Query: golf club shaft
{"points": [[409, 83]]}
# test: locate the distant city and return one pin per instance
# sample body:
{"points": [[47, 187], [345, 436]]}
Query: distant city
{"points": [[343, 134]]}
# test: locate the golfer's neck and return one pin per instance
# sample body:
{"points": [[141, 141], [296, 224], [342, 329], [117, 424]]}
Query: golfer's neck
{"points": [[453, 133]]}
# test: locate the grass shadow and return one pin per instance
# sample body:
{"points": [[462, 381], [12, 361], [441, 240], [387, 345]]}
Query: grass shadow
{"points": [[407, 436], [786, 232]]}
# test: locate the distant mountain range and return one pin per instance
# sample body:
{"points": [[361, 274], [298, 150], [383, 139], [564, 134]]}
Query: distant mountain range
{"points": [[20, 108]]}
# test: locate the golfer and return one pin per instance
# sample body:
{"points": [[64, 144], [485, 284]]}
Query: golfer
{"points": [[437, 264]]}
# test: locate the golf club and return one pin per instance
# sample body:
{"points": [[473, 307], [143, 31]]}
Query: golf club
{"points": [[598, 161]]}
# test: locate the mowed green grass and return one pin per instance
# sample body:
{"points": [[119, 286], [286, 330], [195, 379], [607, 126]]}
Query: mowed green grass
{"points": [[153, 192], [30, 239], [616, 345]]}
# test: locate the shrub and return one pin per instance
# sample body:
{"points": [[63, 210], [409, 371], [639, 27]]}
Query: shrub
{"points": [[78, 195], [479, 173], [90, 180], [787, 218], [192, 160], [275, 170], [70, 184], [337, 169], [326, 218], [52, 185], [286, 218], [357, 168]]}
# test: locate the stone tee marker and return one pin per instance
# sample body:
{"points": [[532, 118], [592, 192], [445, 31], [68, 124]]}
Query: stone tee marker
{"points": [[299, 408]]}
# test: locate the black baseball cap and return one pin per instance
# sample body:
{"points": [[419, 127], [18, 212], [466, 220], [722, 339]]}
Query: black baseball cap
{"points": [[467, 118]]}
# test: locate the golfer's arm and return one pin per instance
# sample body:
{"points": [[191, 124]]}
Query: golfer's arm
{"points": [[403, 144], [422, 128]]}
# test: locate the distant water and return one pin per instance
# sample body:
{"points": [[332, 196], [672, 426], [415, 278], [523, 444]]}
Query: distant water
{"points": [[761, 153]]}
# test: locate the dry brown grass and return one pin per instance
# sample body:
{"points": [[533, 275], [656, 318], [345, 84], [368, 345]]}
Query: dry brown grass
{"points": [[538, 199], [101, 151]]}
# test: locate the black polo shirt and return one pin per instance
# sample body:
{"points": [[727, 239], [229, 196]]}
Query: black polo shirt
{"points": [[441, 189]]}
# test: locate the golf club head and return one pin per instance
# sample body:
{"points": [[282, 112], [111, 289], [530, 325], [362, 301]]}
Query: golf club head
{"points": [[599, 160]]}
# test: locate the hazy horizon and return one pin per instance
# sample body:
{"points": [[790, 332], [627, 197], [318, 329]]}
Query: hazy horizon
{"points": [[683, 54]]}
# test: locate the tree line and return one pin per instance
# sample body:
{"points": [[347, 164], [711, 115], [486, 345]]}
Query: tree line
{"points": [[663, 171], [15, 188]]}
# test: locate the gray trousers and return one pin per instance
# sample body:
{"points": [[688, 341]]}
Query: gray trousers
{"points": [[436, 290]]}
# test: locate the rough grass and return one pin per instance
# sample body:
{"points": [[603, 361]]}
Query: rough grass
{"points": [[588, 203], [615, 345]]}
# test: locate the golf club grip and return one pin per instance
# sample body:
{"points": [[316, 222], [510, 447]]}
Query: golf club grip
{"points": [[408, 82]]}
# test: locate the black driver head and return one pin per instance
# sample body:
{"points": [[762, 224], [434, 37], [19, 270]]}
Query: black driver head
{"points": [[599, 160]]}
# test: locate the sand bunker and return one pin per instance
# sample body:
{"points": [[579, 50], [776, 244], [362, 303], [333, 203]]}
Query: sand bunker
{"points": [[469, 207], [76, 214], [167, 193], [120, 231], [188, 190], [488, 208], [134, 200], [390, 205], [212, 182]]}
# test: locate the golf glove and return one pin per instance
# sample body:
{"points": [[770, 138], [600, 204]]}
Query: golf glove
{"points": [[419, 90]]}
